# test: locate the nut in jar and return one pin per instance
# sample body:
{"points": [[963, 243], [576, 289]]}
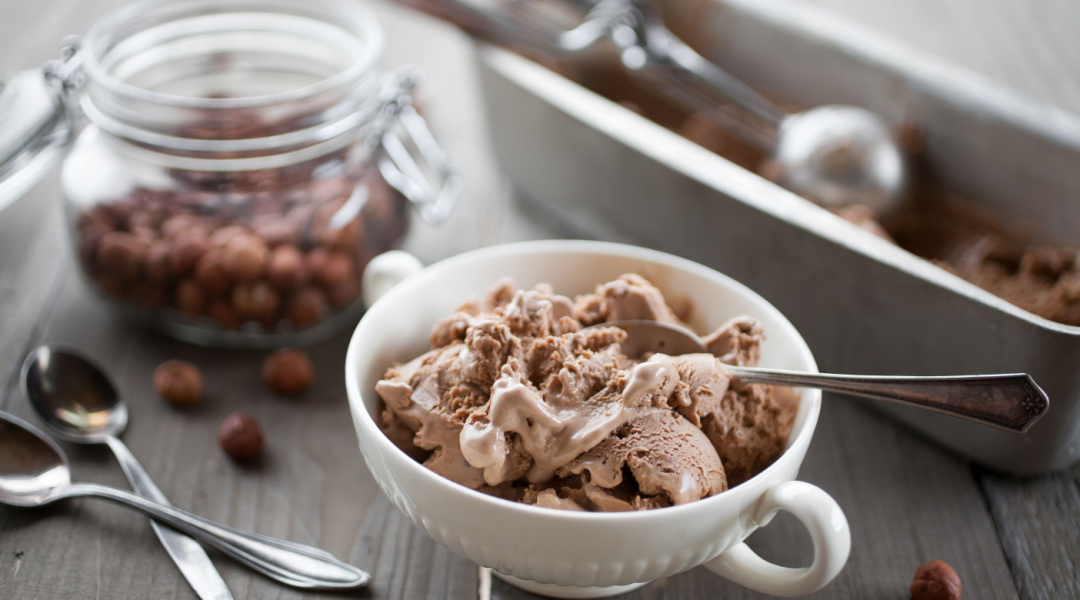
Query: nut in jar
{"points": [[242, 162]]}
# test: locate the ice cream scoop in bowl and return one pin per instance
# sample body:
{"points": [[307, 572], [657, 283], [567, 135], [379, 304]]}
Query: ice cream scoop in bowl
{"points": [[575, 554]]}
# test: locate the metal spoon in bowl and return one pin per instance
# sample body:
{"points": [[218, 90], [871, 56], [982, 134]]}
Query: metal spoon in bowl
{"points": [[34, 472], [77, 403], [833, 154], [1008, 401]]}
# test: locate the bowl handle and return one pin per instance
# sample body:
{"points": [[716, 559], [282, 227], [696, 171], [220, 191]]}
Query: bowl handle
{"points": [[828, 529]]}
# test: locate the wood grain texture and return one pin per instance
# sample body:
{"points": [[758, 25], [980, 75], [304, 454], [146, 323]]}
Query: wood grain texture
{"points": [[906, 500]]}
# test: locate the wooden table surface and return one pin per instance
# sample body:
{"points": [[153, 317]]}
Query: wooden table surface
{"points": [[907, 501]]}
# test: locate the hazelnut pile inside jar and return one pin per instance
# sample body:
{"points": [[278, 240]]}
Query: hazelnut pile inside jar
{"points": [[250, 249], [225, 189]]}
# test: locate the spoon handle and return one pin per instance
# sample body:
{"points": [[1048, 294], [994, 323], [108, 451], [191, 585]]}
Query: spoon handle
{"points": [[1011, 401], [188, 555], [290, 563]]}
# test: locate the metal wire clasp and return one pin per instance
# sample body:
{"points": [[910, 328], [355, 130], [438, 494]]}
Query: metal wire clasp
{"points": [[65, 75], [407, 154]]}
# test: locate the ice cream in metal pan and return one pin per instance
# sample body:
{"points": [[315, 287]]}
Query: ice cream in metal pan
{"points": [[864, 305]]}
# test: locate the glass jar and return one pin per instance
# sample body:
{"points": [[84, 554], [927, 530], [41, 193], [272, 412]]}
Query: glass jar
{"points": [[242, 162]]}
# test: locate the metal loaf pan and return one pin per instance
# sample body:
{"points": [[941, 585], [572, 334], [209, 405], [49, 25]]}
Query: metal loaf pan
{"points": [[864, 305]]}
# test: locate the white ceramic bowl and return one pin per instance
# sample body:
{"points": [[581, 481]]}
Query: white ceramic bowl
{"points": [[573, 554]]}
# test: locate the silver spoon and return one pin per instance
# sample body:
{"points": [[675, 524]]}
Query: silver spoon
{"points": [[77, 403], [833, 155], [1009, 401], [34, 472]]}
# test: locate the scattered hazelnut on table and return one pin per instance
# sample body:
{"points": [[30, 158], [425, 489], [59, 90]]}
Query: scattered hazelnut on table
{"points": [[935, 580], [288, 371], [178, 382], [240, 436]]}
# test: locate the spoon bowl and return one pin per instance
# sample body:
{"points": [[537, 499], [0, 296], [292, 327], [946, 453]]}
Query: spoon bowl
{"points": [[74, 398], [31, 466], [1010, 401]]}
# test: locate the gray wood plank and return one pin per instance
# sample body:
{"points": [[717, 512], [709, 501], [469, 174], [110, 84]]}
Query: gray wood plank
{"points": [[906, 500], [1038, 520]]}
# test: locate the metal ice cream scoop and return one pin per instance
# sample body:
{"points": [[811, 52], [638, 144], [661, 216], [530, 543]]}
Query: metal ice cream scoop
{"points": [[833, 155], [1007, 401]]}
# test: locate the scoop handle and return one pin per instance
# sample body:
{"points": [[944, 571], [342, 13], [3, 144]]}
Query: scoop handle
{"points": [[828, 529], [290, 563], [1009, 401]]}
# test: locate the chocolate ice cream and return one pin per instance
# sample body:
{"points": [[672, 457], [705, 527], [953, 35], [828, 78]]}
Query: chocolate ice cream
{"points": [[518, 399]]}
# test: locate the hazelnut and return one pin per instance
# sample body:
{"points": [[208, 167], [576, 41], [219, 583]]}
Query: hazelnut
{"points": [[148, 295], [288, 371], [935, 580], [344, 293], [188, 248], [177, 225], [279, 231], [90, 235], [306, 306], [336, 269], [156, 261], [258, 301], [245, 257], [178, 382], [240, 436], [142, 219], [286, 269], [111, 285], [221, 236], [225, 315], [147, 234], [210, 272], [346, 237], [121, 254], [190, 297], [97, 217], [316, 258]]}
